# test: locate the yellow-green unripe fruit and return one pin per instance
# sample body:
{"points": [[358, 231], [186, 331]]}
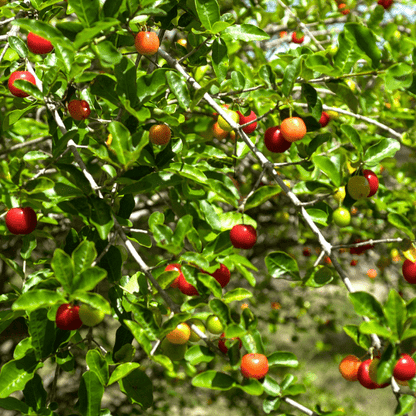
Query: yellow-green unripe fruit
{"points": [[233, 115], [358, 187], [214, 325], [90, 316], [194, 337], [339, 195], [174, 351], [341, 217]]}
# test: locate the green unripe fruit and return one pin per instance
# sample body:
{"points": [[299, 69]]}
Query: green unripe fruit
{"points": [[358, 187], [214, 325], [233, 115], [175, 352], [341, 217], [90, 316], [194, 337]]}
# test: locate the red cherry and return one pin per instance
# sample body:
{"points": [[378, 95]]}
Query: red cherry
{"points": [[274, 140], [38, 45], [221, 343], [176, 267], [147, 43], [245, 119], [385, 3], [363, 376], [243, 236], [21, 220], [23, 75], [409, 271], [254, 366], [67, 317], [372, 180], [222, 275], [405, 368], [186, 288], [79, 109], [325, 119], [296, 39]]}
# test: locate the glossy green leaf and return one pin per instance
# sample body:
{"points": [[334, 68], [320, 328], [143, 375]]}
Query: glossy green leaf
{"points": [[281, 266], [179, 88], [208, 12], [366, 305], [261, 195], [283, 359], [90, 394], [35, 299], [121, 371], [98, 365], [199, 354], [138, 387], [237, 295], [86, 10]]}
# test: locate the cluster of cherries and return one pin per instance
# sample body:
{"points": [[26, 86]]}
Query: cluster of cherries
{"points": [[353, 369]]}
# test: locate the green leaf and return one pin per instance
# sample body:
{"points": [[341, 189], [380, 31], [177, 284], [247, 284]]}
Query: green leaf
{"points": [[126, 74], [96, 300], [19, 46], [121, 371], [402, 223], [179, 88], [11, 403], [317, 277], [83, 256], [199, 354], [366, 305], [398, 76], [64, 269], [245, 32], [88, 279], [208, 12], [138, 387], [395, 313], [98, 365], [331, 166], [29, 88], [271, 386], [145, 318], [283, 359], [281, 266], [35, 299], [361, 340], [101, 217], [261, 195], [220, 61], [384, 149], [107, 54], [373, 327], [405, 405], [188, 171], [366, 41], [292, 73], [86, 10], [140, 335], [16, 373], [214, 380], [42, 333], [90, 394], [237, 295]]}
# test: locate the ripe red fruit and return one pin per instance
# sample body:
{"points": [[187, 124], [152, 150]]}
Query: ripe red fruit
{"points": [[306, 252], [325, 119], [218, 132], [372, 180], [79, 109], [245, 119], [296, 38], [176, 267], [67, 317], [186, 288], [409, 271], [363, 376], [159, 134], [354, 262], [38, 45], [254, 366], [348, 367], [405, 368], [243, 236], [274, 140], [147, 43], [222, 275], [343, 8], [385, 3], [221, 343], [23, 75], [21, 220], [293, 129]]}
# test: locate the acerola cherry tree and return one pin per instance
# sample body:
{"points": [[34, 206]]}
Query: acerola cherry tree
{"points": [[149, 187]]}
